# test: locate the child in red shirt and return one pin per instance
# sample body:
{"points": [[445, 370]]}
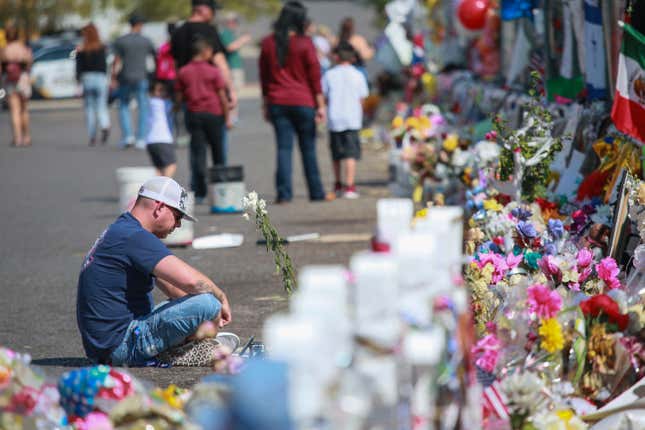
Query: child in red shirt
{"points": [[201, 86]]}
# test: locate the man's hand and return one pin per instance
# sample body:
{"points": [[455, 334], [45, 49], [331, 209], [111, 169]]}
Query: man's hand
{"points": [[321, 115], [225, 317]]}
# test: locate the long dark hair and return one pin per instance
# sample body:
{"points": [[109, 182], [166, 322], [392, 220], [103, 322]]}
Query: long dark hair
{"points": [[292, 18], [346, 29]]}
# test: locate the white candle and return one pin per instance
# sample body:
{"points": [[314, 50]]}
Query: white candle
{"points": [[394, 218]]}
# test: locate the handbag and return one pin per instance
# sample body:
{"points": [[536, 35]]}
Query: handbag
{"points": [[24, 85]]}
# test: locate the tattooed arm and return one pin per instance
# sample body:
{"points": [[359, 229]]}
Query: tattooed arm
{"points": [[179, 274]]}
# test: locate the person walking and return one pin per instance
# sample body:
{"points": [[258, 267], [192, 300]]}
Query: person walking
{"points": [[130, 74], [292, 98], [91, 72], [115, 312], [159, 142], [345, 89], [201, 86], [233, 43], [15, 62]]}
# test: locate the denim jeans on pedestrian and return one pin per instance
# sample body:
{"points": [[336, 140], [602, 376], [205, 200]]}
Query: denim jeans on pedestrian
{"points": [[169, 324], [206, 130], [139, 90], [95, 93], [301, 121]]}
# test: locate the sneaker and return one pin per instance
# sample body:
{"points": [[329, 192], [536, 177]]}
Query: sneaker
{"points": [[127, 143], [338, 188], [200, 353], [141, 144], [228, 339], [105, 134], [351, 193]]}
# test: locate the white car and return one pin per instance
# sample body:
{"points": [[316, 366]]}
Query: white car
{"points": [[53, 73]]}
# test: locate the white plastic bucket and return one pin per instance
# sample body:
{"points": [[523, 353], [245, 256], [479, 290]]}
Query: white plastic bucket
{"points": [[184, 235], [129, 180]]}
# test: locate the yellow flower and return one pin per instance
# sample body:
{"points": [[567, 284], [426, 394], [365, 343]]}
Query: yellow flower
{"points": [[564, 415], [397, 122], [422, 213], [551, 333], [492, 205], [171, 395], [451, 142], [424, 123], [412, 122], [429, 83]]}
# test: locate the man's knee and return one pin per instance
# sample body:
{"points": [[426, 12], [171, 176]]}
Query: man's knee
{"points": [[208, 306]]}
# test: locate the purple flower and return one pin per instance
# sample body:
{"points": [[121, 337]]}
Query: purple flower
{"points": [[526, 229], [556, 228], [550, 249], [521, 214]]}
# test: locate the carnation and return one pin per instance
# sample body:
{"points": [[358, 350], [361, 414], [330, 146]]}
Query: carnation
{"points": [[543, 301]]}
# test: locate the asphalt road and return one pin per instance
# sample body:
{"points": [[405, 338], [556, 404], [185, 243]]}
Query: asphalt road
{"points": [[60, 194]]}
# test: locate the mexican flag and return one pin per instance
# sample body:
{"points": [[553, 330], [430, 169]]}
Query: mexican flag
{"points": [[628, 112]]}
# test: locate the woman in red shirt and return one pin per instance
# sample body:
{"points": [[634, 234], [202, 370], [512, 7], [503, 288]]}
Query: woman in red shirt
{"points": [[292, 97]]}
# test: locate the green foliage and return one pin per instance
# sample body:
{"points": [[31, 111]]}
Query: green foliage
{"points": [[38, 16], [161, 10], [529, 142]]}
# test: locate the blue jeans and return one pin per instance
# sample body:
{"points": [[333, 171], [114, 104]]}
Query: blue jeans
{"points": [[140, 91], [169, 324], [95, 93], [300, 120]]}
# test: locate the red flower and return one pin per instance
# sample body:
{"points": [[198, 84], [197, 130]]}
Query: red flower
{"points": [[545, 204], [605, 305], [498, 240], [503, 199]]}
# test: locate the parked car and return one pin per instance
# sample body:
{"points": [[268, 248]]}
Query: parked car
{"points": [[53, 72]]}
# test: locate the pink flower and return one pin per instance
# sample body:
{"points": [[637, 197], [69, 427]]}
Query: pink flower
{"points": [[613, 283], [607, 269], [585, 258], [584, 274], [549, 266], [512, 261], [497, 261], [487, 350], [488, 361], [543, 301]]}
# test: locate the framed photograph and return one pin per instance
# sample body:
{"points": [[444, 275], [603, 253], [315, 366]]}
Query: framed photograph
{"points": [[619, 235]]}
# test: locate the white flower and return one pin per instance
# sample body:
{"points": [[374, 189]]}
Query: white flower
{"points": [[524, 392], [253, 205]]}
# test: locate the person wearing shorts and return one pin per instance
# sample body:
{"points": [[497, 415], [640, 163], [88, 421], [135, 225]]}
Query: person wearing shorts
{"points": [[159, 141], [345, 88]]}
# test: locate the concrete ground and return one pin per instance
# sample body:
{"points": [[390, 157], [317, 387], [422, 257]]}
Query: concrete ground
{"points": [[60, 194]]}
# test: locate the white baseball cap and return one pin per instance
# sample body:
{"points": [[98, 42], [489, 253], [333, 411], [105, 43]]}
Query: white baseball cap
{"points": [[167, 191]]}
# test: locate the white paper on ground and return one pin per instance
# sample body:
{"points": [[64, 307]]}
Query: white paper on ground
{"points": [[224, 240]]}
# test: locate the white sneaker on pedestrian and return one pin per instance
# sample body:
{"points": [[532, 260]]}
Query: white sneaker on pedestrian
{"points": [[127, 143], [351, 193], [141, 144]]}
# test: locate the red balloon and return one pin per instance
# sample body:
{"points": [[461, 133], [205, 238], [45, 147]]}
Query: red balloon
{"points": [[472, 13]]}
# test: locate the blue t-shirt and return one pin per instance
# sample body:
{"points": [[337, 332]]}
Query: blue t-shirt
{"points": [[115, 284]]}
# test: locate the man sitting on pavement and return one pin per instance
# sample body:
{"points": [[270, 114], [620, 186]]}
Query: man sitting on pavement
{"points": [[115, 313]]}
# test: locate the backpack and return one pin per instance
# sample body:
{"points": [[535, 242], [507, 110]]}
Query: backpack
{"points": [[165, 63]]}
